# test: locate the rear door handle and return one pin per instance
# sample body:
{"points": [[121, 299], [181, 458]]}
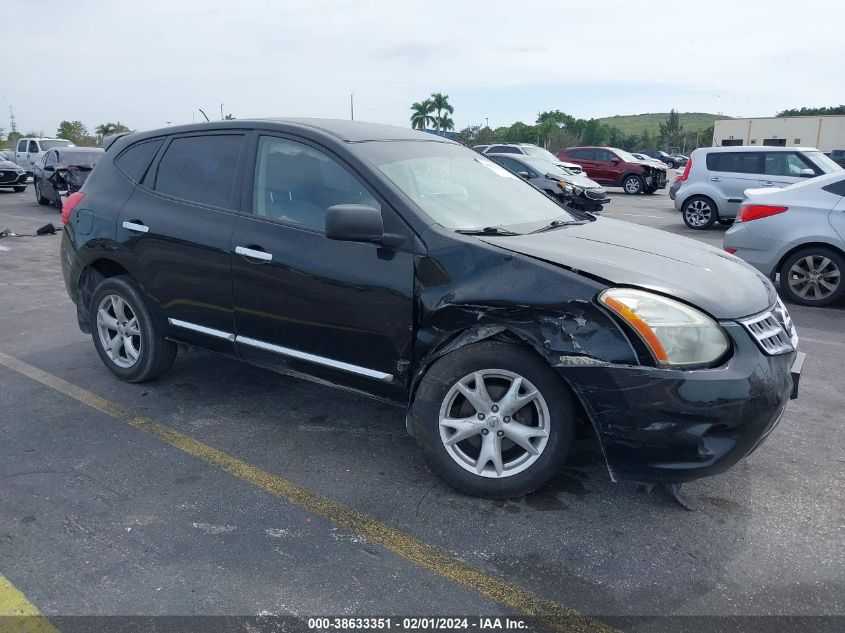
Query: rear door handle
{"points": [[254, 253], [136, 226], [715, 180]]}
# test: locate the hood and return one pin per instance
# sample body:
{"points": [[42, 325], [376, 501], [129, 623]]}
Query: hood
{"points": [[630, 255], [582, 181], [7, 164]]}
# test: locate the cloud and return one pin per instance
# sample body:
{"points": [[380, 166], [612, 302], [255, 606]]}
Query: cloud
{"points": [[157, 61]]}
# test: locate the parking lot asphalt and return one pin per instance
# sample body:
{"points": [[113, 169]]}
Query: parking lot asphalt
{"points": [[122, 498]]}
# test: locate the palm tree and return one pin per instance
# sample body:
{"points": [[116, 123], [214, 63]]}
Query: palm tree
{"points": [[440, 103], [444, 122], [421, 115]]}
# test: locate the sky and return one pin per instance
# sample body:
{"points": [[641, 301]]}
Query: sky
{"points": [[156, 62]]}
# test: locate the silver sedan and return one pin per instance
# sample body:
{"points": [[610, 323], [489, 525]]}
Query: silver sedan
{"points": [[798, 233]]}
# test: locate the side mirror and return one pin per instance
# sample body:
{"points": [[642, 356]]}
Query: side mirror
{"points": [[354, 223], [807, 173], [48, 168], [523, 174], [615, 160]]}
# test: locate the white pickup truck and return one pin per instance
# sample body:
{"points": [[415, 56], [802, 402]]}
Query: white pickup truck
{"points": [[30, 149]]}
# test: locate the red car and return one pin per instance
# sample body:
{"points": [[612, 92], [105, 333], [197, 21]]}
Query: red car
{"points": [[614, 167]]}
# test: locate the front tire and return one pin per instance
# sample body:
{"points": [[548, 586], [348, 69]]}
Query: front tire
{"points": [[493, 420], [813, 277], [633, 185], [125, 334], [700, 213], [38, 197], [19, 189]]}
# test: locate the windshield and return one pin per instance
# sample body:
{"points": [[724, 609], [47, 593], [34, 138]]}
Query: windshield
{"points": [[824, 163], [539, 152], [459, 188], [544, 166], [45, 145], [628, 158]]}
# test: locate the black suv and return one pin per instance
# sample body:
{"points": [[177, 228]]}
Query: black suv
{"points": [[412, 269]]}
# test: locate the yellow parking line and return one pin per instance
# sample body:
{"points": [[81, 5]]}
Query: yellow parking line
{"points": [[19, 615], [551, 613]]}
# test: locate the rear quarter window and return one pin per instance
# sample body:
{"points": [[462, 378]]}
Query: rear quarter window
{"points": [[135, 160], [836, 188]]}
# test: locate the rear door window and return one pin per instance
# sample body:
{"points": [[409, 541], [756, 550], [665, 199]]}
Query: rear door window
{"points": [[200, 169], [582, 154], [135, 160], [736, 162]]}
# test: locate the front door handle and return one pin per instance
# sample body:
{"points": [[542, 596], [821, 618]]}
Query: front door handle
{"points": [[253, 253], [715, 180], [135, 225]]}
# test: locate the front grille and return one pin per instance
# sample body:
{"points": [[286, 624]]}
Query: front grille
{"points": [[595, 194], [8, 176], [773, 330]]}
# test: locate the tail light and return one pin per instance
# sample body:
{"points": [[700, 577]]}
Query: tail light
{"points": [[750, 212], [685, 174], [70, 204], [730, 250]]}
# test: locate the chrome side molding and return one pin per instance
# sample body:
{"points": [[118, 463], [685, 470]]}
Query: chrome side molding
{"points": [[284, 351]]}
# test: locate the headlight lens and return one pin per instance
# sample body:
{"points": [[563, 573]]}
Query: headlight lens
{"points": [[565, 186], [676, 334]]}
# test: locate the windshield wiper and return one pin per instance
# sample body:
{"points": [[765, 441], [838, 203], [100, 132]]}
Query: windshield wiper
{"points": [[487, 230], [554, 224]]}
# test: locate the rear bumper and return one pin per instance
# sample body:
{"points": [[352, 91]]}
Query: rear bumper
{"points": [[762, 253], [658, 425]]}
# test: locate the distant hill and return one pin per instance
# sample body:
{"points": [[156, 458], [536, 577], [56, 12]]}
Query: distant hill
{"points": [[636, 123]]}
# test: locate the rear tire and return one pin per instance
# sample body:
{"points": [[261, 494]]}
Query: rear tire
{"points": [[125, 333], [700, 213], [633, 185], [813, 276], [485, 461], [726, 221]]}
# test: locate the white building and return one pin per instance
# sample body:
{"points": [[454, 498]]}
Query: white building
{"points": [[823, 132]]}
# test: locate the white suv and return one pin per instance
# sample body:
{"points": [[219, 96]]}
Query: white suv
{"points": [[712, 185], [30, 150]]}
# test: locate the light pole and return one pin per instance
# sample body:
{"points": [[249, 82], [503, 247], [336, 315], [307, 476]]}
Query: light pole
{"points": [[352, 106], [487, 122]]}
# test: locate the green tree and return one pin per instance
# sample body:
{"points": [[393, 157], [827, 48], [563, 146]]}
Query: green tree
{"points": [[646, 141], [594, 133], [672, 132], [421, 114], [813, 111], [440, 103], [444, 122], [107, 129], [73, 131]]}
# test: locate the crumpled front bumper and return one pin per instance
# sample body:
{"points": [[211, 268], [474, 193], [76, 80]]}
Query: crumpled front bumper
{"points": [[659, 425]]}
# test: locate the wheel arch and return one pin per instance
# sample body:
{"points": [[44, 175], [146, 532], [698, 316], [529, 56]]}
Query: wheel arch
{"points": [[89, 278], [801, 247], [699, 195]]}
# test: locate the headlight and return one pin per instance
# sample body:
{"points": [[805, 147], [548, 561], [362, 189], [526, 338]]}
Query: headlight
{"points": [[565, 186], [676, 334]]}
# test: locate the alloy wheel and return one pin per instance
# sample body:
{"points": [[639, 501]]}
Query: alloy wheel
{"points": [[814, 277], [120, 333], [494, 423], [698, 213], [632, 185]]}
